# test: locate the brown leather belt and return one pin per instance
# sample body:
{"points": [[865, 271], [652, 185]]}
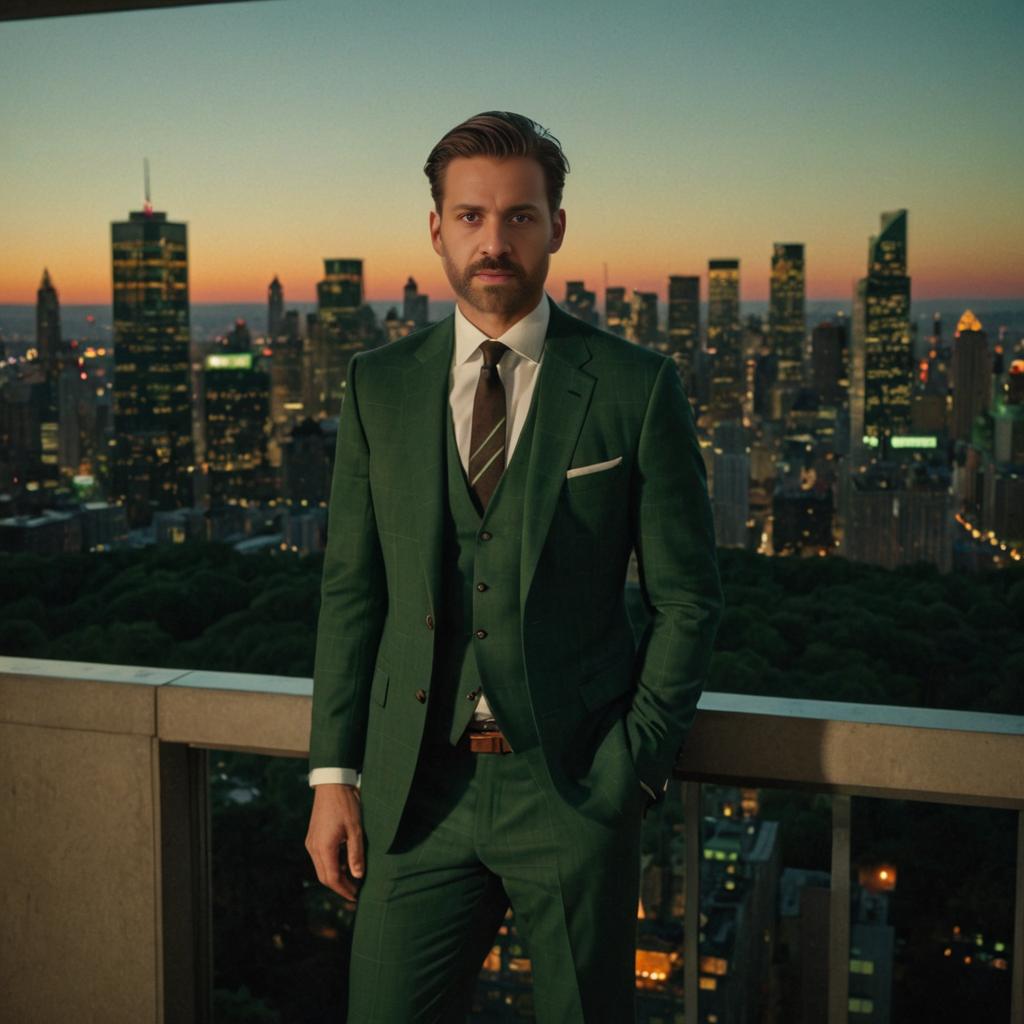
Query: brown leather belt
{"points": [[490, 741]]}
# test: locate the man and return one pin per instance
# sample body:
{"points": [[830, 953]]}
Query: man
{"points": [[474, 657]]}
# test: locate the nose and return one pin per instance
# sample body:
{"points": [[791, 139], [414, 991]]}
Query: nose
{"points": [[494, 240]]}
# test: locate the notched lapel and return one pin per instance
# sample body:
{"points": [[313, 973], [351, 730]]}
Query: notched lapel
{"points": [[424, 408], [563, 398]]}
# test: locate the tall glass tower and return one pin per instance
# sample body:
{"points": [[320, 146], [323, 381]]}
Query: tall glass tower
{"points": [[786, 310], [882, 367], [684, 324], [725, 336], [153, 459]]}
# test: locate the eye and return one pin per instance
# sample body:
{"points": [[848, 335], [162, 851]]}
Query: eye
{"points": [[468, 213], [525, 217]]}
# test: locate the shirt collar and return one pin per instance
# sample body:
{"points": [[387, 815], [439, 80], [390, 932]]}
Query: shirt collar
{"points": [[525, 337]]}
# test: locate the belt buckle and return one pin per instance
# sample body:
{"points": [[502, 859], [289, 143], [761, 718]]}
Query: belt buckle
{"points": [[490, 741]]}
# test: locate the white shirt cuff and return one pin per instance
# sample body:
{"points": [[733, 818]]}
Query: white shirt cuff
{"points": [[346, 776]]}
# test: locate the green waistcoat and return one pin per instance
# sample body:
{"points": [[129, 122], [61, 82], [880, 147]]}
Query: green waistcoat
{"points": [[466, 662]]}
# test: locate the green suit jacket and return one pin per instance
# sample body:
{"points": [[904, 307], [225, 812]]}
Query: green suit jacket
{"points": [[599, 398]]}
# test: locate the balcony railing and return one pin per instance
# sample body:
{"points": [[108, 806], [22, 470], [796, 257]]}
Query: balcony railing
{"points": [[104, 822]]}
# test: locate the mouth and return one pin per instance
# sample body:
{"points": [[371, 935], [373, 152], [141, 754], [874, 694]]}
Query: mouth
{"points": [[495, 276]]}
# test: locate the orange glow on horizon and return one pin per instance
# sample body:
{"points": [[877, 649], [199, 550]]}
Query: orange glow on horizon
{"points": [[384, 284]]}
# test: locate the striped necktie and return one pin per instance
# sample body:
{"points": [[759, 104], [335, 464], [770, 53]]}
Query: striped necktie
{"points": [[487, 442]]}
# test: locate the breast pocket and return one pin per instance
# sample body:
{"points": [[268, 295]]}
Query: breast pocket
{"points": [[608, 476]]}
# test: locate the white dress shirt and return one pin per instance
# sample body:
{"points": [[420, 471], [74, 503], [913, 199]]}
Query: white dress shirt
{"points": [[518, 371]]}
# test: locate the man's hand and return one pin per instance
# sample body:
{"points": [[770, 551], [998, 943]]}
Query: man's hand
{"points": [[336, 820]]}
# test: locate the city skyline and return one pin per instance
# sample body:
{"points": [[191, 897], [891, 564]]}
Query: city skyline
{"points": [[806, 122]]}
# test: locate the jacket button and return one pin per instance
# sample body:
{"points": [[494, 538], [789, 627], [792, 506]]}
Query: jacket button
{"points": [[430, 622], [421, 696], [481, 586], [485, 535], [480, 633], [471, 695]]}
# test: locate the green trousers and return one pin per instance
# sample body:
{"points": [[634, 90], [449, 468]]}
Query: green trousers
{"points": [[481, 831]]}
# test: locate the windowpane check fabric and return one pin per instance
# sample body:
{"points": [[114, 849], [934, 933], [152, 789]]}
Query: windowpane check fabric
{"points": [[487, 444]]}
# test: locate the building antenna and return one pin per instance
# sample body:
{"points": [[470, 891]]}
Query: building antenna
{"points": [[148, 207]]}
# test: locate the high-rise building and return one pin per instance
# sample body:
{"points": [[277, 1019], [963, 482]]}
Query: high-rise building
{"points": [[238, 339], [972, 375], [827, 343], [340, 293], [643, 318], [725, 339], [581, 303], [46, 388], [236, 400], [786, 310], [275, 309], [684, 323], [339, 332], [616, 310], [49, 343], [882, 369], [153, 463], [415, 307]]}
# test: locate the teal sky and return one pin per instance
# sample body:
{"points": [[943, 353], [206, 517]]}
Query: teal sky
{"points": [[286, 131]]}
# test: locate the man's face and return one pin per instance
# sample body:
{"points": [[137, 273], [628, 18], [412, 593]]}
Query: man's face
{"points": [[495, 232]]}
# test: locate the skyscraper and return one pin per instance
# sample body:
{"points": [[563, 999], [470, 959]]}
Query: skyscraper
{"points": [[236, 400], [275, 309], [786, 310], [972, 375], [882, 365], [725, 337], [340, 295], [153, 465], [336, 336], [616, 310], [684, 324], [643, 318], [415, 307], [48, 331], [580, 302]]}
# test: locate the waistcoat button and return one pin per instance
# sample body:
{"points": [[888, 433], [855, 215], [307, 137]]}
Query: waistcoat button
{"points": [[421, 696], [480, 633], [430, 622], [481, 586], [485, 535]]}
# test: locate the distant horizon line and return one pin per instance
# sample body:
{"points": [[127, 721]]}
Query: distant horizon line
{"points": [[398, 300]]}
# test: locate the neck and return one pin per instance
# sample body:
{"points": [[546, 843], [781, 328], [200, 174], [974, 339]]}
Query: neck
{"points": [[494, 325]]}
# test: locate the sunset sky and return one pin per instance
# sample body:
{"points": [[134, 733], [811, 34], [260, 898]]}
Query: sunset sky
{"points": [[287, 131]]}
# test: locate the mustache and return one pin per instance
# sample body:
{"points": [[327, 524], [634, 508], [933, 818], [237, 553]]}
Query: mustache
{"points": [[505, 266]]}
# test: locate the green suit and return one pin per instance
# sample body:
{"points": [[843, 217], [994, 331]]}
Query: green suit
{"points": [[588, 714]]}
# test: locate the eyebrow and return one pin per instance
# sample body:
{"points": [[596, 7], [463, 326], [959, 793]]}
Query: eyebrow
{"points": [[519, 207]]}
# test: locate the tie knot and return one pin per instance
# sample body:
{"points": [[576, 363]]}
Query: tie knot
{"points": [[493, 351]]}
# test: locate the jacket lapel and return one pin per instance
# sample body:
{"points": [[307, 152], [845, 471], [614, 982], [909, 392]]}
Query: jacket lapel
{"points": [[424, 411], [561, 396]]}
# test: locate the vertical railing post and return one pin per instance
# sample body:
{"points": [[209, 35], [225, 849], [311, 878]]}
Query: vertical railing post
{"points": [[1017, 966], [185, 884], [839, 914], [691, 922]]}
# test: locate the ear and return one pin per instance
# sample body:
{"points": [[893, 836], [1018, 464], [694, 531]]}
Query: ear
{"points": [[435, 231], [557, 231]]}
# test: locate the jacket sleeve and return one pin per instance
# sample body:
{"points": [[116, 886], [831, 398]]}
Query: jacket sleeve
{"points": [[674, 537], [353, 599]]}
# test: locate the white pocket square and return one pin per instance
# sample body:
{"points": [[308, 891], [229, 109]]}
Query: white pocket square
{"points": [[594, 467]]}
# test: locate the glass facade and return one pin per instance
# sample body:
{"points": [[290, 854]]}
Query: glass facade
{"points": [[786, 312], [153, 463], [882, 377]]}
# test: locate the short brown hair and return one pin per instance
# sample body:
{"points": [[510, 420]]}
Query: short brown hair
{"points": [[499, 133]]}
